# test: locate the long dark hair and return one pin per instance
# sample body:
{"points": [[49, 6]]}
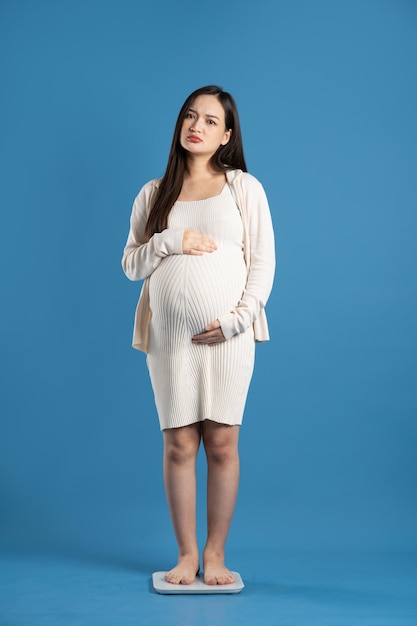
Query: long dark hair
{"points": [[229, 156]]}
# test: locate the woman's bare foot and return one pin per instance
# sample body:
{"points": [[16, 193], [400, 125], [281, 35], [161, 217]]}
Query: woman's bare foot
{"points": [[215, 571], [184, 572]]}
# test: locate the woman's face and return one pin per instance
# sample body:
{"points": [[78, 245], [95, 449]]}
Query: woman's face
{"points": [[204, 127]]}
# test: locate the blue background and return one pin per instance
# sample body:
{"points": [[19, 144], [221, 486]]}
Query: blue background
{"points": [[327, 96]]}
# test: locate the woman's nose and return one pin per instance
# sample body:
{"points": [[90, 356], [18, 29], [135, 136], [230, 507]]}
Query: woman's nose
{"points": [[196, 124]]}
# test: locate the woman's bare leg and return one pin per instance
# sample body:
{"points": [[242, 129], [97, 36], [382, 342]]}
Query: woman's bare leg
{"points": [[221, 446], [180, 453]]}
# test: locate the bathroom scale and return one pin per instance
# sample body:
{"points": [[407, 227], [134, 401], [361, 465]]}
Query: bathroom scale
{"points": [[198, 586]]}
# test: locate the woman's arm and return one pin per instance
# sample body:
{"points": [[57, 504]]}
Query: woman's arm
{"points": [[261, 261], [142, 256]]}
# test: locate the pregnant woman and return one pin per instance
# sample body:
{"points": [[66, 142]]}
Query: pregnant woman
{"points": [[202, 239]]}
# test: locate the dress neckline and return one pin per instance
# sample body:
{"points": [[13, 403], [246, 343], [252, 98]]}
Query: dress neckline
{"points": [[226, 184]]}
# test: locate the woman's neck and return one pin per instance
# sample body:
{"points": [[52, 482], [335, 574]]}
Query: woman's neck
{"points": [[200, 169]]}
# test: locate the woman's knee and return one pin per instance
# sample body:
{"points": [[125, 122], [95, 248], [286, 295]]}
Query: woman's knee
{"points": [[180, 447], [221, 444]]}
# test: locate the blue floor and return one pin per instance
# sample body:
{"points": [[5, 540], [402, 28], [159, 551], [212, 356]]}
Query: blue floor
{"points": [[284, 588]]}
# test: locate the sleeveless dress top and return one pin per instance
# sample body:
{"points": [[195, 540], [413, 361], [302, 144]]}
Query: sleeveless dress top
{"points": [[191, 382]]}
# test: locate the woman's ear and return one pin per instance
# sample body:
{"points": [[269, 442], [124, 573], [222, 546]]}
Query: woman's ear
{"points": [[226, 137]]}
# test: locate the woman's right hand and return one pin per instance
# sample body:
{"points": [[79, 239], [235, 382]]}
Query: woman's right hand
{"points": [[195, 243]]}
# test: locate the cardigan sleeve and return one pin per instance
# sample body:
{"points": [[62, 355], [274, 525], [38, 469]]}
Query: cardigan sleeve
{"points": [[141, 256], [260, 251]]}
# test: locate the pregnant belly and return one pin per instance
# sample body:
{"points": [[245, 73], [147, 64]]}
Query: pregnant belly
{"points": [[195, 290]]}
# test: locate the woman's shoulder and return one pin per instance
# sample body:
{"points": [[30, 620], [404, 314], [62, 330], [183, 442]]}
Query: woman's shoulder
{"points": [[150, 185], [148, 189], [245, 179]]}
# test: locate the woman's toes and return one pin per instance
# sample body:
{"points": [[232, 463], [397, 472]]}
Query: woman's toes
{"points": [[172, 578], [226, 580], [218, 575], [182, 574]]}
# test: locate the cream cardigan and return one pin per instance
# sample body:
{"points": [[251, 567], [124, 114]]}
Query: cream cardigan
{"points": [[141, 257]]}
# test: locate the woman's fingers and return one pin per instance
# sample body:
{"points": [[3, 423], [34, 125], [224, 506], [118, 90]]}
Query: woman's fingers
{"points": [[194, 242], [212, 335], [212, 325]]}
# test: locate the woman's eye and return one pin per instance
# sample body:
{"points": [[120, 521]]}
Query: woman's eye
{"points": [[189, 115], [212, 122]]}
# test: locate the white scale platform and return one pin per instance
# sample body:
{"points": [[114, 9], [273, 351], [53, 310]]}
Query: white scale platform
{"points": [[198, 586]]}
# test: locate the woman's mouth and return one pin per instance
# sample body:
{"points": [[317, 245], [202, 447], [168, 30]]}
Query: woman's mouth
{"points": [[194, 139]]}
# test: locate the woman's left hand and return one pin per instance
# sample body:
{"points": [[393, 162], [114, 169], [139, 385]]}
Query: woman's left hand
{"points": [[212, 335]]}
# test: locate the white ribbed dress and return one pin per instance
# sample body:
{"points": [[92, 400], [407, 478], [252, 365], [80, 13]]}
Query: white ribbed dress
{"points": [[192, 382]]}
